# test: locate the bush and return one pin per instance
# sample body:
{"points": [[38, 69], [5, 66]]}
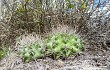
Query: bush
{"points": [[63, 45]]}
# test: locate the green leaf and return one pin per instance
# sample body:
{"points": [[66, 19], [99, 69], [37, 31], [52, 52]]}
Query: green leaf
{"points": [[71, 5], [84, 6]]}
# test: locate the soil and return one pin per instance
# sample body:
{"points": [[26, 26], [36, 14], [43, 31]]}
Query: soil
{"points": [[90, 59]]}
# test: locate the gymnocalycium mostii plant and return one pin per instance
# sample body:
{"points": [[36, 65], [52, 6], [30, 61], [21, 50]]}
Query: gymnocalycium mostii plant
{"points": [[56, 46], [61, 45], [31, 52]]}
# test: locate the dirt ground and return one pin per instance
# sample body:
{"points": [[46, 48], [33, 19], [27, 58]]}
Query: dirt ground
{"points": [[90, 59]]}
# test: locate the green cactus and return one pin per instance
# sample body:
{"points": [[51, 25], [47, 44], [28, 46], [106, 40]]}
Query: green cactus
{"points": [[31, 52], [56, 46], [63, 45]]}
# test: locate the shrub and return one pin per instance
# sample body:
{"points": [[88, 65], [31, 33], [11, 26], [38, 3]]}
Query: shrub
{"points": [[31, 52], [63, 45]]}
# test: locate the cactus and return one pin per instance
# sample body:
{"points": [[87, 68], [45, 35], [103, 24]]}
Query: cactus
{"points": [[57, 46], [63, 45], [31, 52]]}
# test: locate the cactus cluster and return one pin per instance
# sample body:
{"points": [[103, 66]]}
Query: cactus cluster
{"points": [[63, 45], [31, 52], [56, 46]]}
